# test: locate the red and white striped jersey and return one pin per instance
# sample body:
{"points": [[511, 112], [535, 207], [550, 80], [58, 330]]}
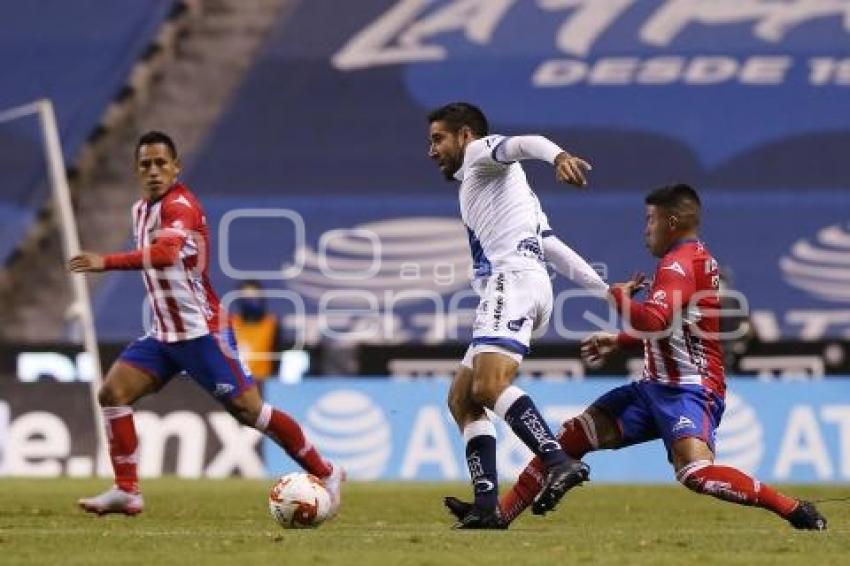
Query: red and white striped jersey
{"points": [[679, 323], [183, 303]]}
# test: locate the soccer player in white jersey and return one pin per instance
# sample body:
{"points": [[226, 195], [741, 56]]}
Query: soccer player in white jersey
{"points": [[508, 238], [190, 333]]}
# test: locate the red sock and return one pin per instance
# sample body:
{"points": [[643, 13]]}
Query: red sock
{"points": [[123, 446], [287, 433], [575, 438], [735, 486]]}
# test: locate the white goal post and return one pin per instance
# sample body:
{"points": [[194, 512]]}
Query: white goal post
{"points": [[80, 309]]}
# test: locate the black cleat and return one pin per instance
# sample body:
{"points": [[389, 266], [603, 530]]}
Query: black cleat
{"points": [[490, 519], [558, 481], [807, 517], [459, 509]]}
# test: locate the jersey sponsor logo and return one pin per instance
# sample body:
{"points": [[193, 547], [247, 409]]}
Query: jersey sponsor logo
{"points": [[530, 247], [820, 266], [675, 267]]}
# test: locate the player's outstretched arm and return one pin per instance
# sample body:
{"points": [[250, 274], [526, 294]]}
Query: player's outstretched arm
{"points": [[571, 265], [568, 168], [670, 292], [162, 253]]}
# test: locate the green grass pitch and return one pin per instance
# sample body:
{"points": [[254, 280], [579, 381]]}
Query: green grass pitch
{"points": [[227, 522]]}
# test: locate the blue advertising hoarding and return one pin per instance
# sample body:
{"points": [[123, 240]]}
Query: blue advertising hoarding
{"points": [[401, 430]]}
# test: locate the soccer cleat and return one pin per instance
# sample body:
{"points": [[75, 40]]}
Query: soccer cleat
{"points": [[333, 483], [558, 481], [482, 519], [459, 509], [113, 501], [806, 517]]}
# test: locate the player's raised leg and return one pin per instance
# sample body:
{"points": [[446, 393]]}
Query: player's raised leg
{"points": [[213, 362], [123, 386], [479, 436], [250, 409], [592, 430], [618, 418], [696, 470], [687, 418], [492, 386]]}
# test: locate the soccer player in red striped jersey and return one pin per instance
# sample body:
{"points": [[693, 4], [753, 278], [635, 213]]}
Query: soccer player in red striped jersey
{"points": [[189, 332], [680, 398]]}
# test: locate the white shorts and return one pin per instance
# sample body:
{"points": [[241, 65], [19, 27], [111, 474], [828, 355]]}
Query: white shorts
{"points": [[512, 305]]}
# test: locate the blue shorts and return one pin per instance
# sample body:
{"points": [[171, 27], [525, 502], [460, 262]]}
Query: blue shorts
{"points": [[645, 411], [211, 360]]}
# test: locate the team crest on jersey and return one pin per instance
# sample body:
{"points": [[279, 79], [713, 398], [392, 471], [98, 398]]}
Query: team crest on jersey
{"points": [[675, 267]]}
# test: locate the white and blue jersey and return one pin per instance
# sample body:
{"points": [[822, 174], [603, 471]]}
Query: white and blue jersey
{"points": [[500, 211], [505, 224]]}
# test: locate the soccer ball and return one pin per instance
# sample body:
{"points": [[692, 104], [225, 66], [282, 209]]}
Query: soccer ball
{"points": [[299, 501]]}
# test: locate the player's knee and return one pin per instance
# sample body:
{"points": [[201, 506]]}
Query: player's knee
{"points": [[485, 391], [105, 397], [245, 407], [109, 395], [245, 416], [457, 407], [246, 413], [602, 428]]}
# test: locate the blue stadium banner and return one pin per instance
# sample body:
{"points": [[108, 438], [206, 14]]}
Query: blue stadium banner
{"points": [[77, 54], [401, 430], [746, 100]]}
